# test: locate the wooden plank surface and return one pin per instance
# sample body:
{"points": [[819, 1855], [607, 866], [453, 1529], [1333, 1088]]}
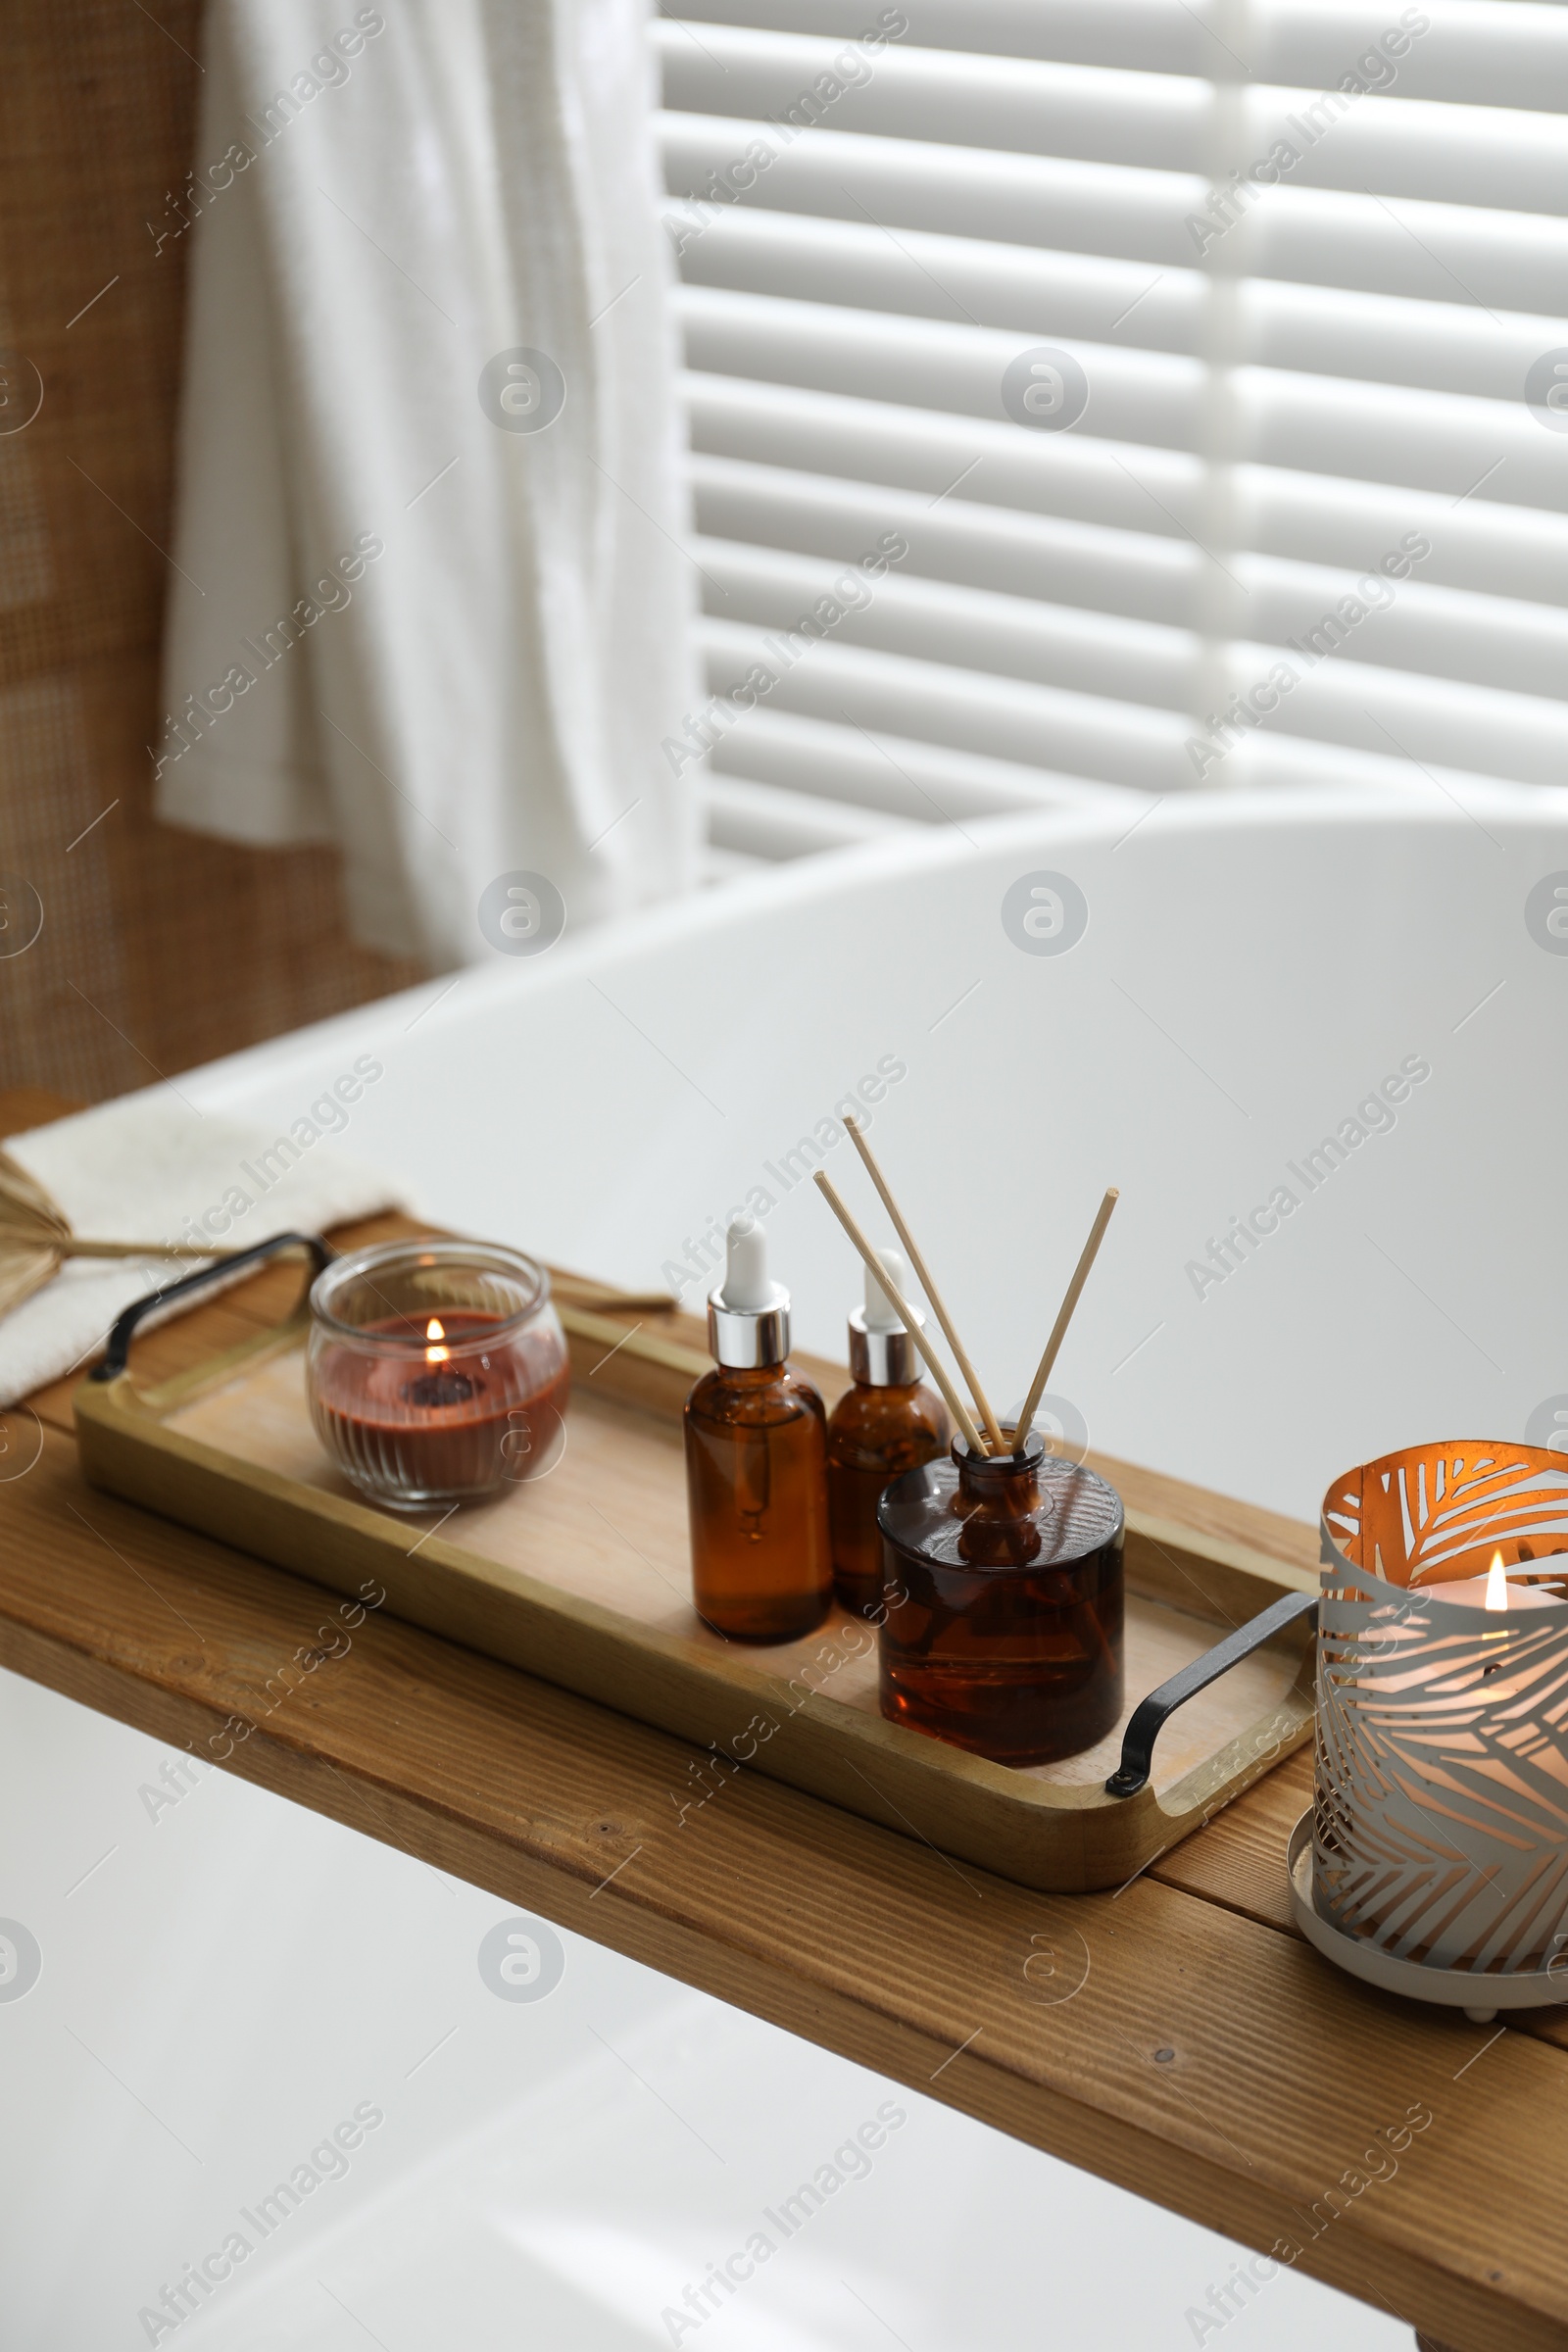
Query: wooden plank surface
{"points": [[1174, 2036]]}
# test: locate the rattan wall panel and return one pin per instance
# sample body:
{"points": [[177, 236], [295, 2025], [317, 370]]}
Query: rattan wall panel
{"points": [[158, 949]]}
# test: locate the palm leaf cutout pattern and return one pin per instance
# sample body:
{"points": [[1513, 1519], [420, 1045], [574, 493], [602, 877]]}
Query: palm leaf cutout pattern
{"points": [[1441, 1821]]}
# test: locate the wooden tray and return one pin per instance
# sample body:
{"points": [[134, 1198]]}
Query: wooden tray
{"points": [[582, 1577]]}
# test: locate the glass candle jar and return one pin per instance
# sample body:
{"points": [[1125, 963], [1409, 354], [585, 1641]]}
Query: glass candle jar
{"points": [[436, 1371], [1002, 1585]]}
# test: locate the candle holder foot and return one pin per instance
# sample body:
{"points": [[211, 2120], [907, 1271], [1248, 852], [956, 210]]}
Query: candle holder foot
{"points": [[1448, 1988]]}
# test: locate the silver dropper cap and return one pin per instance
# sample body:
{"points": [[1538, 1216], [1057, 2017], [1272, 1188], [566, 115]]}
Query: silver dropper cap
{"points": [[882, 1353], [747, 1314]]}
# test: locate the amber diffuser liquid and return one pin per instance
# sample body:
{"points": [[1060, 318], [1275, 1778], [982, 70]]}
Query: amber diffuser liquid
{"points": [[1003, 1627]]}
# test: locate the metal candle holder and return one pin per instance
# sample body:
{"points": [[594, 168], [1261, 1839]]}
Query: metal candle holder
{"points": [[1437, 1859]]}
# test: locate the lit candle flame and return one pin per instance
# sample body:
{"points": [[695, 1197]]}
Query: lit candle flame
{"points": [[434, 1330], [1497, 1583]]}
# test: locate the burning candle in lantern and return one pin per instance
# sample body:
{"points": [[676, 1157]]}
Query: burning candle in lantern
{"points": [[1494, 1590], [1441, 1814], [420, 1407]]}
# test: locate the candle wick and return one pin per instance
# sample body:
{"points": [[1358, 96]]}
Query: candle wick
{"points": [[444, 1387]]}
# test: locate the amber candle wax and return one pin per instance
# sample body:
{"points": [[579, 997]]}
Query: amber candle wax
{"points": [[449, 1402]]}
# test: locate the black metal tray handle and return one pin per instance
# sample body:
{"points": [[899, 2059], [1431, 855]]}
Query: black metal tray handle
{"points": [[118, 1351], [1154, 1712]]}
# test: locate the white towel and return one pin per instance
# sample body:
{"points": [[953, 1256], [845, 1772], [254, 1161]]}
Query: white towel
{"points": [[150, 1168], [407, 615]]}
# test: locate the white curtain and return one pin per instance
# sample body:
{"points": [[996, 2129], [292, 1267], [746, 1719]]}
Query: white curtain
{"points": [[430, 600]]}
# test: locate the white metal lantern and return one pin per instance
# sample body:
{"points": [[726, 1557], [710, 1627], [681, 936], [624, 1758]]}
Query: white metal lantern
{"points": [[1438, 1860]]}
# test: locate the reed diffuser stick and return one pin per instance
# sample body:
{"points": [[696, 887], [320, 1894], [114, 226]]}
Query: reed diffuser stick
{"points": [[923, 1276], [1097, 1234], [911, 1321]]}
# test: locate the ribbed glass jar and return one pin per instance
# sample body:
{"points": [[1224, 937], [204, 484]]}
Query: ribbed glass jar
{"points": [[436, 1371]]}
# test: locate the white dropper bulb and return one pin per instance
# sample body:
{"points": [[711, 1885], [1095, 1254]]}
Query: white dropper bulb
{"points": [[745, 1283], [880, 1312]]}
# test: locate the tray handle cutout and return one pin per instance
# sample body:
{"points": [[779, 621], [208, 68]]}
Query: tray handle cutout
{"points": [[117, 1353], [1154, 1712]]}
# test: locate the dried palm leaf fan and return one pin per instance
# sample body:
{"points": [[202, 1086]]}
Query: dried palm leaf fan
{"points": [[36, 1239]]}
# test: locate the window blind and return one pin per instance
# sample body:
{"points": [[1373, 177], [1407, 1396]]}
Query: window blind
{"points": [[1200, 372]]}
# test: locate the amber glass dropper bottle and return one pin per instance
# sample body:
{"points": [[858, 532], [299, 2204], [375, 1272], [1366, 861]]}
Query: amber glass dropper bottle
{"points": [[887, 1422], [756, 1463]]}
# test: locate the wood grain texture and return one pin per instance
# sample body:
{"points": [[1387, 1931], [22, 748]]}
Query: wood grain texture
{"points": [[1238, 1859], [1239, 1862], [1174, 2037], [582, 1577], [608, 1525], [867, 1942]]}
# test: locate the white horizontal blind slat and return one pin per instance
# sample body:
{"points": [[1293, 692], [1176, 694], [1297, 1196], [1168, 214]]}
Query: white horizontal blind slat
{"points": [[1387, 433], [1039, 726], [1482, 55], [1478, 545], [1160, 33], [1291, 388], [1418, 625], [1101, 653], [719, 864], [766, 821], [1497, 155], [1437, 251], [1442, 345], [926, 783], [1346, 689]]}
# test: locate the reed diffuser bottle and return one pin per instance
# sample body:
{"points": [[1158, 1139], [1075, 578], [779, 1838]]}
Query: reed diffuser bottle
{"points": [[756, 1463], [886, 1423], [1001, 1628], [1003, 1631]]}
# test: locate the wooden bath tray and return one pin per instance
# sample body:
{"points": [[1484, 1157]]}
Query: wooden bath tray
{"points": [[582, 1577]]}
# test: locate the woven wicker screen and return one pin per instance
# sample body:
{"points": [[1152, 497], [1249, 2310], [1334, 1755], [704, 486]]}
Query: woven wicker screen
{"points": [[158, 949]]}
